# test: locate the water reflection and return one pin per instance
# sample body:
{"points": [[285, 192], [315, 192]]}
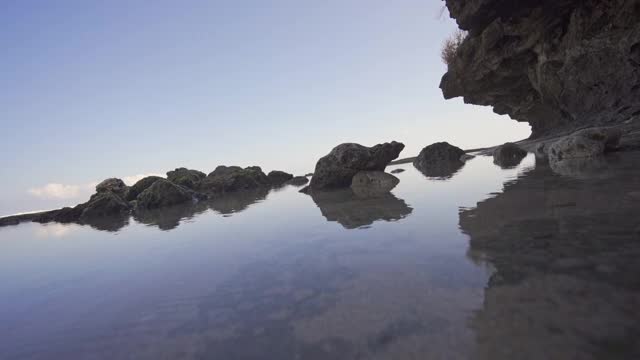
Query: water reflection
{"points": [[443, 171], [565, 253], [239, 201], [170, 217], [353, 210]]}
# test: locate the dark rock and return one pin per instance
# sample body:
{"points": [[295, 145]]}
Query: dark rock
{"points": [[171, 217], [556, 64], [141, 186], [336, 169], [233, 178], [508, 155], [101, 204], [309, 174], [439, 160], [162, 193], [298, 181], [305, 190], [278, 178], [112, 185], [397, 171], [185, 177]]}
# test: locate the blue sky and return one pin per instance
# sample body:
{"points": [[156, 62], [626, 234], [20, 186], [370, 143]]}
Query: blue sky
{"points": [[95, 89]]}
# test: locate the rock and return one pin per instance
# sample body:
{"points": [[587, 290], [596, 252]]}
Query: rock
{"points": [[185, 177], [557, 65], [378, 181], [397, 171], [584, 144], [141, 186], [439, 160], [278, 178], [337, 169], [234, 178], [298, 181], [305, 190], [102, 204], [508, 155], [309, 174], [162, 193], [466, 157], [113, 185]]}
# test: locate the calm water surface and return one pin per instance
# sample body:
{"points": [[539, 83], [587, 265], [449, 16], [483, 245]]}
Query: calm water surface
{"points": [[489, 263]]}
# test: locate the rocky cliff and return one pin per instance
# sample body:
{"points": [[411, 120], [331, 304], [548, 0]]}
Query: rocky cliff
{"points": [[556, 64]]}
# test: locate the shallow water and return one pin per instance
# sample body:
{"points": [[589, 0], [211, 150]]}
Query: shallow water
{"points": [[489, 263]]}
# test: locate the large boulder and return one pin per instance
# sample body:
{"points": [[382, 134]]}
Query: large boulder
{"points": [[373, 181], [162, 193], [140, 186], [234, 178], [186, 177], [585, 143], [298, 181], [112, 185], [508, 155], [336, 169], [439, 160], [278, 178]]}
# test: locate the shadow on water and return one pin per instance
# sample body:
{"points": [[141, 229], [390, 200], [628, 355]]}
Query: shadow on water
{"points": [[564, 246], [354, 210]]}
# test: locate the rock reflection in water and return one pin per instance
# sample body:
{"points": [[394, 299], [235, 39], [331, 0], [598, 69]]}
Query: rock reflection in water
{"points": [[442, 172], [239, 201], [357, 209], [565, 254], [108, 223], [169, 218]]}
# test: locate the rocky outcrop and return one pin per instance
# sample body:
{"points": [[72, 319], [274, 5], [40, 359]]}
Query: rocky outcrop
{"points": [[162, 193], [584, 144], [440, 160], [556, 64], [278, 178], [508, 155], [112, 185], [336, 169], [377, 181], [234, 178], [185, 177], [104, 204], [141, 186]]}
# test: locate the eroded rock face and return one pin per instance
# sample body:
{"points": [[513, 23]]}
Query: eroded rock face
{"points": [[112, 185], [336, 170], [508, 155], [439, 160], [556, 64], [278, 178], [162, 193], [186, 177], [378, 181], [234, 178]]}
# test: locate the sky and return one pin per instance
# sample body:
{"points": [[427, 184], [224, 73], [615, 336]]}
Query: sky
{"points": [[96, 89]]}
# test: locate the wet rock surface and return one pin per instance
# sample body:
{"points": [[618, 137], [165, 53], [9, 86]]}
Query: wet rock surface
{"points": [[440, 160], [190, 179], [554, 64], [377, 181], [278, 178], [140, 186], [163, 193], [336, 170]]}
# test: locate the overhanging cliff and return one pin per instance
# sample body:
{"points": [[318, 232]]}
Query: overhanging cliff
{"points": [[556, 64]]}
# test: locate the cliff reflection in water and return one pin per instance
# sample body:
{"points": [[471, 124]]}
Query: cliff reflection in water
{"points": [[358, 209], [565, 251]]}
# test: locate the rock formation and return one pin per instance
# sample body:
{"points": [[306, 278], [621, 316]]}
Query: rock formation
{"points": [[337, 169], [185, 177], [440, 160], [556, 64], [508, 155], [278, 178]]}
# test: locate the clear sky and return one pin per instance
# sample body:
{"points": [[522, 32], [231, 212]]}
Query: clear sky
{"points": [[94, 89]]}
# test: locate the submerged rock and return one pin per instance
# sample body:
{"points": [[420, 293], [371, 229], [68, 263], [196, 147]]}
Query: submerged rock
{"points": [[162, 193], [585, 143], [185, 177], [336, 169], [439, 160], [508, 155], [141, 186], [397, 171], [278, 178], [377, 181]]}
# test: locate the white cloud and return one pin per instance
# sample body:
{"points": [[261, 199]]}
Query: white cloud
{"points": [[71, 191]]}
